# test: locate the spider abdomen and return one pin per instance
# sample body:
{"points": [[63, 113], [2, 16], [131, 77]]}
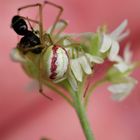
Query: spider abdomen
{"points": [[55, 63]]}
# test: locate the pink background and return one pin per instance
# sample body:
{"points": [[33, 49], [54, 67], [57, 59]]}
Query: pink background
{"points": [[27, 115]]}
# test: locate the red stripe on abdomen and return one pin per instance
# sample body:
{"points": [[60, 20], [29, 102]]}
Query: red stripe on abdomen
{"points": [[53, 63]]}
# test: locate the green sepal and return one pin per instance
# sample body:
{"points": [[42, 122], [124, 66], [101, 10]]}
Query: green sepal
{"points": [[31, 69], [115, 76], [95, 45]]}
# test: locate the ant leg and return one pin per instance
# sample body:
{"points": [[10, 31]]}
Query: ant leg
{"points": [[58, 16], [25, 50]]}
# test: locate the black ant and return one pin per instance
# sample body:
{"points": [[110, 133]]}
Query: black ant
{"points": [[29, 39], [31, 42]]}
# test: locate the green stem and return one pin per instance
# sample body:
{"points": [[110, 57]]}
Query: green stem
{"points": [[81, 113]]}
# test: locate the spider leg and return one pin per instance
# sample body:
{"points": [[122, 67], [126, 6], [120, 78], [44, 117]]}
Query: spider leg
{"points": [[41, 91], [60, 40], [40, 22], [58, 16], [48, 39], [72, 42]]}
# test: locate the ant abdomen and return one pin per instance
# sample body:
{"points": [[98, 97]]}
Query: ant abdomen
{"points": [[19, 25], [29, 41]]}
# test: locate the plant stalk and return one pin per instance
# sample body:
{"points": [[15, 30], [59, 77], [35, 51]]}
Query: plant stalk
{"points": [[81, 113]]}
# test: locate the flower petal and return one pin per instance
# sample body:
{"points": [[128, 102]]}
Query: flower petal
{"points": [[123, 35], [122, 67], [118, 59], [16, 56], [106, 43], [85, 64], [114, 50], [76, 69], [72, 81], [119, 91], [117, 32], [94, 59], [122, 90], [127, 54]]}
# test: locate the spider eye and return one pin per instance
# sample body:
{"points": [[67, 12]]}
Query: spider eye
{"points": [[19, 25]]}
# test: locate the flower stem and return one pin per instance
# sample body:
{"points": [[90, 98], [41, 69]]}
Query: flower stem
{"points": [[81, 113]]}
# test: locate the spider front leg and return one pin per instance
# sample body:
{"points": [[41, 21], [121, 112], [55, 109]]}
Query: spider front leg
{"points": [[58, 16], [60, 26], [70, 41], [47, 39]]}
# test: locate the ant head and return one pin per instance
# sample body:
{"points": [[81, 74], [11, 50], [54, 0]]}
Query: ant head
{"points": [[19, 25]]}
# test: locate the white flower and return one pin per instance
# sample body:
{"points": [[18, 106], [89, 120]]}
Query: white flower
{"points": [[16, 56], [118, 34], [121, 90], [72, 81], [124, 64], [110, 41], [123, 84], [83, 64]]}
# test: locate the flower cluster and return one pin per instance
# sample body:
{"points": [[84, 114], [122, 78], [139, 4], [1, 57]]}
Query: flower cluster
{"points": [[119, 75], [73, 57]]}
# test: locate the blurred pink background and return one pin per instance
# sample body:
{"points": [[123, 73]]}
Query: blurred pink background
{"points": [[26, 115]]}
